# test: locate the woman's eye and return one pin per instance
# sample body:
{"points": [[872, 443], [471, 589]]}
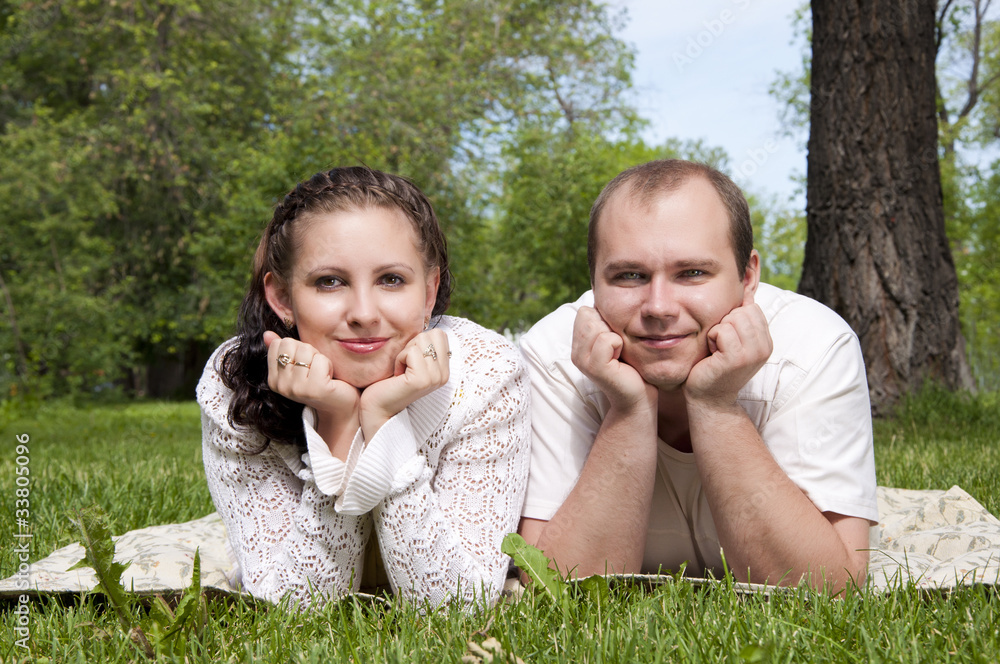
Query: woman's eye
{"points": [[392, 280], [328, 282]]}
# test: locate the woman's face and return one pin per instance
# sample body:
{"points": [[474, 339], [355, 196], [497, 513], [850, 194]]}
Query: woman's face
{"points": [[359, 290]]}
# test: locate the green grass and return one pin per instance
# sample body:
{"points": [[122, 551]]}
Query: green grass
{"points": [[142, 464], [938, 439]]}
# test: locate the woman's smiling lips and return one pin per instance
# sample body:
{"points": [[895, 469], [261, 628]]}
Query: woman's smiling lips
{"points": [[363, 346]]}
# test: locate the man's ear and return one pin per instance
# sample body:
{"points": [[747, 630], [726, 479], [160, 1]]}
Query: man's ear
{"points": [[751, 277], [277, 297]]}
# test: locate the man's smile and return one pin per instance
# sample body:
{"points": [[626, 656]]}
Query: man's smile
{"points": [[662, 341]]}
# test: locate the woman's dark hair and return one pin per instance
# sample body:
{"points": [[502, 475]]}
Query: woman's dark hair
{"points": [[244, 365]]}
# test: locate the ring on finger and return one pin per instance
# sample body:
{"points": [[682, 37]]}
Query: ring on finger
{"points": [[302, 364], [284, 360], [431, 352]]}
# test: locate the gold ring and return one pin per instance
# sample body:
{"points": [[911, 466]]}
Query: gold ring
{"points": [[431, 352], [284, 360], [302, 364]]}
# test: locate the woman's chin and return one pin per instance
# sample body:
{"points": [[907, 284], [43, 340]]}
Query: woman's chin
{"points": [[363, 378]]}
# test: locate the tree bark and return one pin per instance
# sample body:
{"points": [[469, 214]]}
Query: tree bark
{"points": [[876, 250]]}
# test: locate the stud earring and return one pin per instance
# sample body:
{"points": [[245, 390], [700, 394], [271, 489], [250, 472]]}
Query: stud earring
{"points": [[427, 323], [289, 323]]}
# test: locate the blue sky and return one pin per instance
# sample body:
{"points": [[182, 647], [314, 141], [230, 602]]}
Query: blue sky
{"points": [[703, 70]]}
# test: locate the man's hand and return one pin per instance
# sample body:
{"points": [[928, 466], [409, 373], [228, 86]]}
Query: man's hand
{"points": [[421, 367], [601, 526], [596, 352], [739, 346]]}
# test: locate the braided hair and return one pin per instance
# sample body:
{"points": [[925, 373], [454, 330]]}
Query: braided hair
{"points": [[244, 366]]}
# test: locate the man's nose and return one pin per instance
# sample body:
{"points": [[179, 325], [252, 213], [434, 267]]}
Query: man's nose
{"points": [[660, 299]]}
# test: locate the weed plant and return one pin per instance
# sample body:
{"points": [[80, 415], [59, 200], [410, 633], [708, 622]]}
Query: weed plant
{"points": [[142, 464]]}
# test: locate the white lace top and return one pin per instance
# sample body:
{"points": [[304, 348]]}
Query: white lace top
{"points": [[440, 484]]}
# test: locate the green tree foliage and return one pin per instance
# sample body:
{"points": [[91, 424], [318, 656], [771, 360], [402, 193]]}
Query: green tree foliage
{"points": [[118, 121], [975, 234], [780, 237], [142, 144]]}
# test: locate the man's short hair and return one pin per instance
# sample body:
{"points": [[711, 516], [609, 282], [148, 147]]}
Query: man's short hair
{"points": [[663, 176]]}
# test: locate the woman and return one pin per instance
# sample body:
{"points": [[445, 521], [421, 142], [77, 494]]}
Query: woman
{"points": [[350, 425]]}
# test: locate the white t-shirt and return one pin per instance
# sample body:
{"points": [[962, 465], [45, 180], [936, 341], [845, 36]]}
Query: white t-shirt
{"points": [[809, 402]]}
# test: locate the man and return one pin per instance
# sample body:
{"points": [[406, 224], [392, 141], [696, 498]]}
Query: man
{"points": [[683, 407]]}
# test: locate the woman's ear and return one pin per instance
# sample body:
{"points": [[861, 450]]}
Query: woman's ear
{"points": [[277, 298], [433, 282]]}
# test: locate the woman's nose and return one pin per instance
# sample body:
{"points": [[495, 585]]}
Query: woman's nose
{"points": [[364, 308]]}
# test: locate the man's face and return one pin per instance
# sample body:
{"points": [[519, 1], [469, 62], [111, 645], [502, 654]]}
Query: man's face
{"points": [[665, 274]]}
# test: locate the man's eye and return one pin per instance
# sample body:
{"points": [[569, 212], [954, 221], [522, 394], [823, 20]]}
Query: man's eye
{"points": [[629, 276], [694, 273]]}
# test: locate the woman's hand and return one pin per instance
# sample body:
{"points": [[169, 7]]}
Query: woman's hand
{"points": [[299, 372], [421, 367]]}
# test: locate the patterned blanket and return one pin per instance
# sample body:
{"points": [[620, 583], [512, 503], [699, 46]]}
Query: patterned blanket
{"points": [[934, 539]]}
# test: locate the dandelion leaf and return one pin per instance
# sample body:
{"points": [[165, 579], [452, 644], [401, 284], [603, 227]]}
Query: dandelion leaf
{"points": [[99, 554], [535, 564]]}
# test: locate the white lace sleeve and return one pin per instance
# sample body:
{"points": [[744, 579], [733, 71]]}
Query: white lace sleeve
{"points": [[448, 509], [284, 531]]}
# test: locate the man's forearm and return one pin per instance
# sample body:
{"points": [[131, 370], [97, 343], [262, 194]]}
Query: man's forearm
{"points": [[601, 527], [769, 529]]}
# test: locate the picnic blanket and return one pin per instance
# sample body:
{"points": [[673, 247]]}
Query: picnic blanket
{"points": [[935, 539]]}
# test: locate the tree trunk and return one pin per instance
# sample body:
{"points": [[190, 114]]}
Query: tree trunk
{"points": [[876, 250]]}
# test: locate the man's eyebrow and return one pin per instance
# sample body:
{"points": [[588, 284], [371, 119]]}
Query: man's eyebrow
{"points": [[710, 264], [622, 266], [698, 263]]}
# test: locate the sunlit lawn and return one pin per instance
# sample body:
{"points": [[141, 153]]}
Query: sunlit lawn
{"points": [[142, 464]]}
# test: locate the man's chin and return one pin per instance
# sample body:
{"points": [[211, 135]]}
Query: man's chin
{"points": [[663, 375], [665, 382]]}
